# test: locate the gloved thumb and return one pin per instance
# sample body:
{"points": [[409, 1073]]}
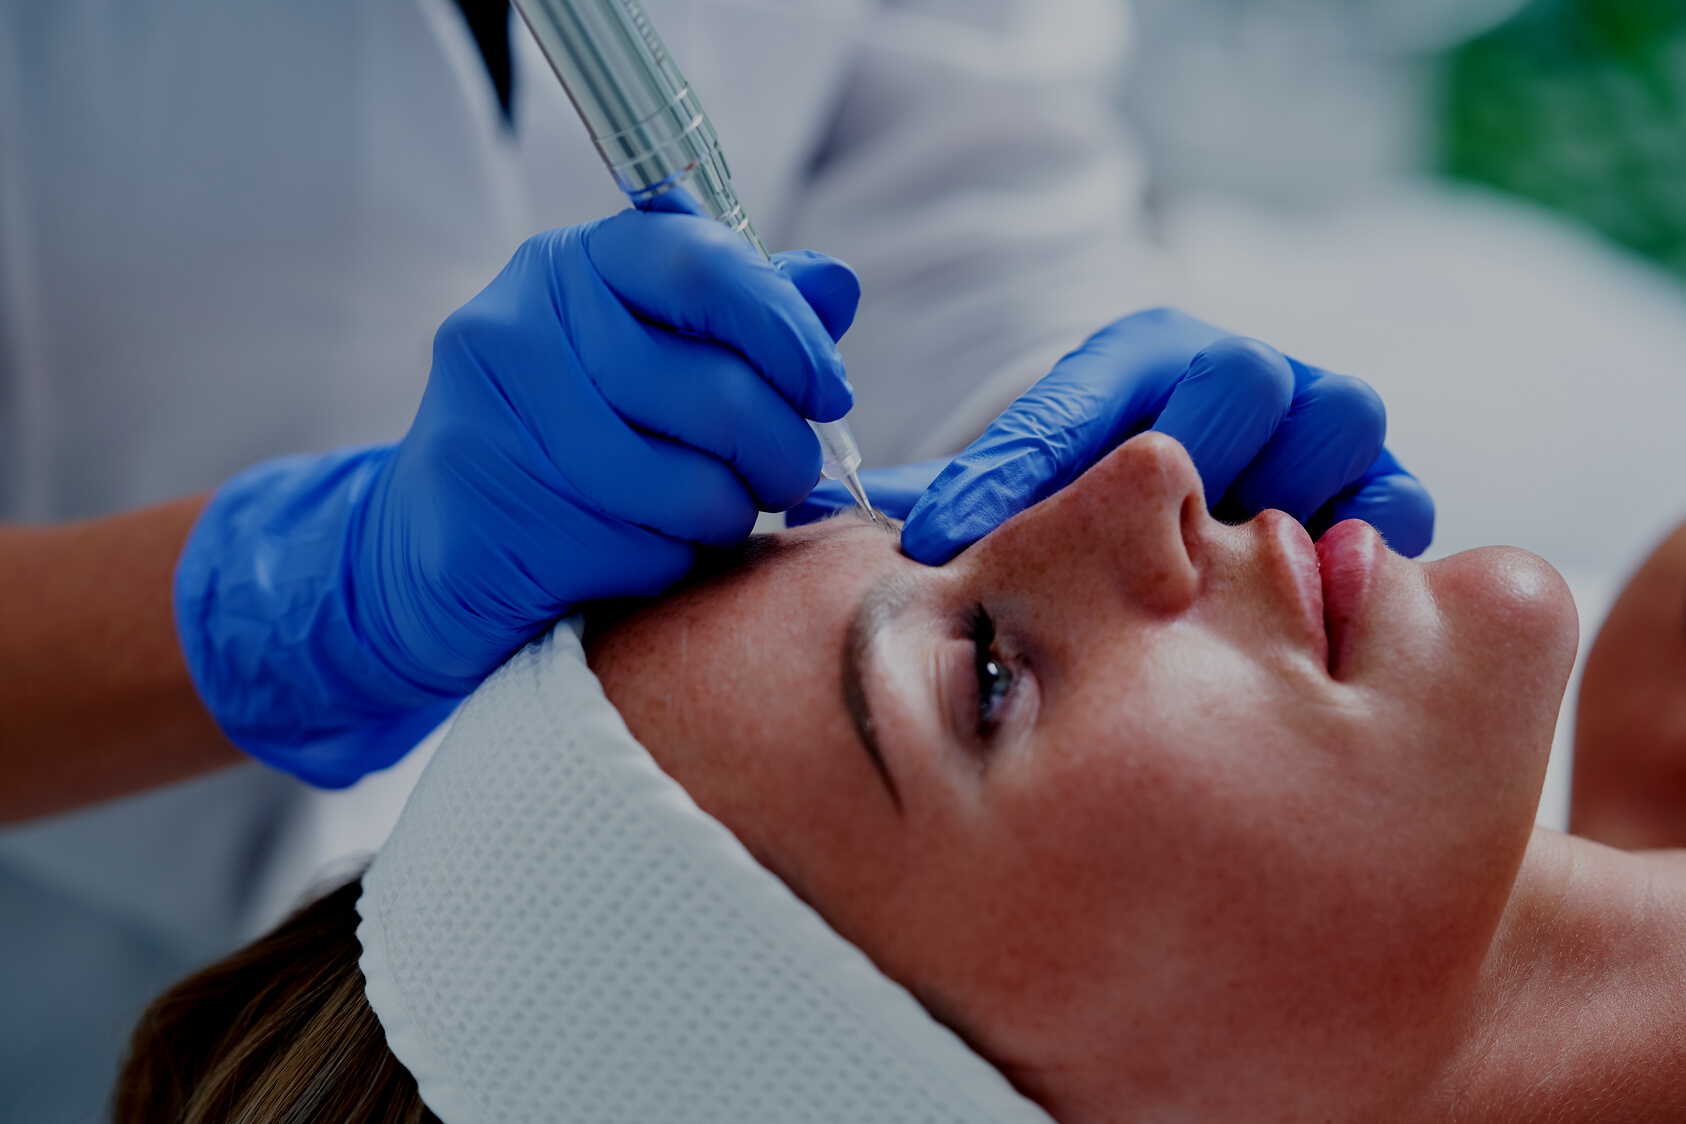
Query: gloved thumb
{"points": [[831, 288]]}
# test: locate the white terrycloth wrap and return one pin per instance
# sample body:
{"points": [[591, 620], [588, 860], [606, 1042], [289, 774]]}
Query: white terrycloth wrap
{"points": [[555, 932]]}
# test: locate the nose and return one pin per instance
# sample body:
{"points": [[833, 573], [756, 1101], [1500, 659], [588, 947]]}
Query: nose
{"points": [[1133, 520]]}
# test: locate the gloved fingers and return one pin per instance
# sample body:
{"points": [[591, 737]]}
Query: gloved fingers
{"points": [[892, 490], [642, 478], [1107, 390], [556, 389], [1094, 398], [693, 275], [1226, 407], [1391, 500], [829, 286], [532, 553], [679, 491], [968, 500], [646, 562], [705, 396], [1332, 434]]}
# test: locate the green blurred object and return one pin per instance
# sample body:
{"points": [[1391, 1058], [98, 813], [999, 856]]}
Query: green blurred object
{"points": [[1580, 105]]}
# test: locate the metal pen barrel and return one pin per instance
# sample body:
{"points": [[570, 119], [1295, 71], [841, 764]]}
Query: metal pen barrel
{"points": [[653, 134], [641, 113]]}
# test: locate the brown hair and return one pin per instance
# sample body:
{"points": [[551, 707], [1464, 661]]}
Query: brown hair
{"points": [[277, 1033]]}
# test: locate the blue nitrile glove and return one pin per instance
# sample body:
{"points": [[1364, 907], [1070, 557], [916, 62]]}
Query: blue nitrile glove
{"points": [[1264, 431], [623, 391]]}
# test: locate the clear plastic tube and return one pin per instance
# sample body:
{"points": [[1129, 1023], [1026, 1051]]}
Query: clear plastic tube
{"points": [[842, 455]]}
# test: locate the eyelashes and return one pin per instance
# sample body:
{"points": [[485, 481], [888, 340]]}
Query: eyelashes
{"points": [[994, 678]]}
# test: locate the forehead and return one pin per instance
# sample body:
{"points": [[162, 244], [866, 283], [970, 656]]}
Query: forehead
{"points": [[832, 556], [768, 616], [846, 531]]}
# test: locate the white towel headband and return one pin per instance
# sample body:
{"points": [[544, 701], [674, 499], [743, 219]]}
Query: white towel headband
{"points": [[555, 932]]}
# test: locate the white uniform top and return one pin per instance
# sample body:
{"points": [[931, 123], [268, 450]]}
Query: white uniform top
{"points": [[228, 231]]}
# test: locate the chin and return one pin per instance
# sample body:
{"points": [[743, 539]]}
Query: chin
{"points": [[1514, 601], [1513, 630]]}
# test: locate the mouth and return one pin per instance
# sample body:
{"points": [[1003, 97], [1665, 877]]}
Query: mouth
{"points": [[1347, 556]]}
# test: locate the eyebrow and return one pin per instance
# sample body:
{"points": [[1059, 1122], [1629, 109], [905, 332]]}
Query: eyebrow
{"points": [[877, 608]]}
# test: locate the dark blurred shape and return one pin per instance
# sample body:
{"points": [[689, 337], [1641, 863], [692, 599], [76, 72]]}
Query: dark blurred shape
{"points": [[1580, 105], [489, 21]]}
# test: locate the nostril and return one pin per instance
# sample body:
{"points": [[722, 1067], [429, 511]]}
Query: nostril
{"points": [[1193, 511]]}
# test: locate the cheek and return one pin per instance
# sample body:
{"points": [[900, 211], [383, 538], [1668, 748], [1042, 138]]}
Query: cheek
{"points": [[1153, 798], [1203, 834], [1467, 690], [1179, 729]]}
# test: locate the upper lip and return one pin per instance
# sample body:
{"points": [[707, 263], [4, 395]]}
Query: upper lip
{"points": [[1301, 569]]}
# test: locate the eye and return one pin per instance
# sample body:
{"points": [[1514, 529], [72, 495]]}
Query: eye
{"points": [[995, 678]]}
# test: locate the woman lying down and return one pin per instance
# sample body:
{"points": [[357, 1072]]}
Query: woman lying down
{"points": [[1165, 819]]}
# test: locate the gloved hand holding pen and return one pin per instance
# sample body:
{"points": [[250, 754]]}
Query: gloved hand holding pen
{"points": [[1264, 431], [621, 393]]}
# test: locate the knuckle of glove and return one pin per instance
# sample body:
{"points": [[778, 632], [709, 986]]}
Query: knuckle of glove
{"points": [[467, 330], [707, 254], [1355, 410], [499, 312], [1250, 368]]}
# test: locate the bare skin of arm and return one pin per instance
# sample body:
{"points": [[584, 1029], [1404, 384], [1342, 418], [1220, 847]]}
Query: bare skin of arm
{"points": [[1630, 727], [95, 699]]}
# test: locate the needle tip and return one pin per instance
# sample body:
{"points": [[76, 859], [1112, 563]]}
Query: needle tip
{"points": [[853, 483]]}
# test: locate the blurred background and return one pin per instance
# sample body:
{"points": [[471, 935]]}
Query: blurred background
{"points": [[1477, 205]]}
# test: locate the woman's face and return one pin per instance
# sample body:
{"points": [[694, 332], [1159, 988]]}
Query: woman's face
{"points": [[1156, 811]]}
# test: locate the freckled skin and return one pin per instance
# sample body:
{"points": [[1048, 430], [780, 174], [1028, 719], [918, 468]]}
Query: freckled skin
{"points": [[1203, 878]]}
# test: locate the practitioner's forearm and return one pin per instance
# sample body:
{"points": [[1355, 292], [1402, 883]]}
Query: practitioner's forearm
{"points": [[95, 699]]}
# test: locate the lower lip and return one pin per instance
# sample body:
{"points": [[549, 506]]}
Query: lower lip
{"points": [[1347, 556]]}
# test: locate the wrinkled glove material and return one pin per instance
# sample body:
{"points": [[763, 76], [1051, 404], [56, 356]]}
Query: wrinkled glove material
{"points": [[266, 622]]}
